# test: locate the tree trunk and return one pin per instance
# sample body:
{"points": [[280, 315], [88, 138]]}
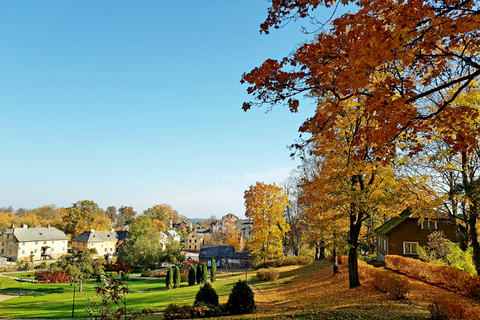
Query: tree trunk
{"points": [[335, 260], [317, 252], [355, 226], [475, 244], [322, 251], [80, 287]]}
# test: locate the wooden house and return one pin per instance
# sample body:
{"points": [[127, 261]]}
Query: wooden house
{"points": [[401, 235]]}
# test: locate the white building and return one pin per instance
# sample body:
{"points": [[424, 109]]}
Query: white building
{"points": [[33, 243]]}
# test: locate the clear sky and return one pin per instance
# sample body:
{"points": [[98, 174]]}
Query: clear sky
{"points": [[138, 103]]}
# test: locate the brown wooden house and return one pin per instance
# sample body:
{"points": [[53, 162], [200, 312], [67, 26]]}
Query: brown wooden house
{"points": [[401, 235]]}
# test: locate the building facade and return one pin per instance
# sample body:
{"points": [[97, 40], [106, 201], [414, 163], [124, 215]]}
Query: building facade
{"points": [[33, 243]]}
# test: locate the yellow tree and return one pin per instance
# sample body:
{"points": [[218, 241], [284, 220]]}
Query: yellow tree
{"points": [[353, 183], [264, 204]]}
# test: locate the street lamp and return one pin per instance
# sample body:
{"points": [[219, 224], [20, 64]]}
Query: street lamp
{"points": [[73, 303]]}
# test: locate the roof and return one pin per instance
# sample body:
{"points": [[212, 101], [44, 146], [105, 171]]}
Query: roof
{"points": [[101, 236], [392, 223], [172, 233], [217, 252], [37, 234]]}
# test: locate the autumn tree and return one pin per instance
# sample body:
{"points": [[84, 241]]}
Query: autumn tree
{"points": [[353, 183], [85, 215], [80, 266], [451, 161], [162, 212], [264, 204], [395, 55], [127, 213]]}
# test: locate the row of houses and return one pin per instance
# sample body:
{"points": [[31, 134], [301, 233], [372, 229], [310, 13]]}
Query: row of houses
{"points": [[398, 236]]}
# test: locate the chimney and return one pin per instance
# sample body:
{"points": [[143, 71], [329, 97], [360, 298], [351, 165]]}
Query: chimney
{"points": [[48, 226], [25, 226], [92, 230], [112, 230]]}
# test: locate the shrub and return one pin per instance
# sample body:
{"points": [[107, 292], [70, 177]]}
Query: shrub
{"points": [[176, 278], [288, 261], [392, 284], [169, 278], [191, 275], [213, 271], [443, 308], [267, 274], [184, 275], [176, 311], [199, 274], [206, 295], [204, 273], [446, 277], [241, 299]]}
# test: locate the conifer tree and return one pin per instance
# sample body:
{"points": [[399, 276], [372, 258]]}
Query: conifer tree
{"points": [[213, 272], [176, 278], [169, 278]]}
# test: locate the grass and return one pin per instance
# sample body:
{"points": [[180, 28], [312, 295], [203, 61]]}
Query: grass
{"points": [[51, 301], [301, 292]]}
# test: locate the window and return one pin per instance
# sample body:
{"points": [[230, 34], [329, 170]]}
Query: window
{"points": [[23, 251], [63, 249], [44, 242], [2, 250], [36, 242], [209, 263], [52, 250], [36, 250], [429, 225], [23, 243], [410, 247], [53, 242]]}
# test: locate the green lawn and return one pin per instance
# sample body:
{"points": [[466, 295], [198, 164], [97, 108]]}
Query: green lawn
{"points": [[52, 301]]}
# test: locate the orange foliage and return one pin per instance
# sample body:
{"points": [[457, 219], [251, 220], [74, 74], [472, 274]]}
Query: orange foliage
{"points": [[395, 54], [439, 275]]}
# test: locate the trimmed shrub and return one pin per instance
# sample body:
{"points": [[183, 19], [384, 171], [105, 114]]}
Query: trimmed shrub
{"points": [[444, 308], [267, 274], [176, 311], [176, 278], [184, 275], [391, 284], [169, 278], [204, 273], [191, 275], [206, 295], [241, 299], [213, 271], [446, 277], [199, 274], [288, 261]]}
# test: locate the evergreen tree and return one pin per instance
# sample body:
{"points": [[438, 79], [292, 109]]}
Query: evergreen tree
{"points": [[199, 273], [169, 278], [213, 272], [191, 275], [241, 299], [204, 273], [176, 278]]}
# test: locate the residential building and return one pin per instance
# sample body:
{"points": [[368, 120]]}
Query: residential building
{"points": [[33, 243], [193, 242], [105, 242], [172, 233], [225, 256], [403, 234]]}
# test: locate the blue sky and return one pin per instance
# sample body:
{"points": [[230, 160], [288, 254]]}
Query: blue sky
{"points": [[138, 103]]}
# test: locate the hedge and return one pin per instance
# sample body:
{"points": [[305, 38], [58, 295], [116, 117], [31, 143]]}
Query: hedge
{"points": [[446, 277]]}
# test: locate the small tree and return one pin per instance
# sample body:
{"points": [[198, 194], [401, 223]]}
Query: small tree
{"points": [[199, 273], [204, 273], [213, 272], [176, 278], [207, 295], [169, 278], [241, 299], [191, 275]]}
